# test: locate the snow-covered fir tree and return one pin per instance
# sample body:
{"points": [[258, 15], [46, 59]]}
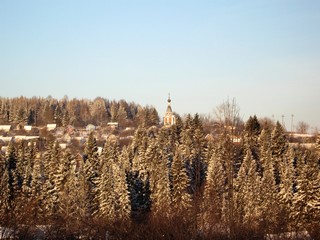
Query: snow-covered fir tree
{"points": [[121, 193], [306, 201], [247, 196], [159, 180], [52, 161], [10, 177], [138, 177], [91, 167], [286, 186], [279, 146], [251, 135], [30, 156], [268, 191], [105, 194], [210, 217], [181, 199]]}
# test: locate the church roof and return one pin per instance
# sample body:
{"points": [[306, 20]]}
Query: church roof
{"points": [[169, 109]]}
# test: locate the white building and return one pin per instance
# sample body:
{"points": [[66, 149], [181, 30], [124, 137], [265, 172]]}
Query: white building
{"points": [[169, 117], [51, 127], [5, 127]]}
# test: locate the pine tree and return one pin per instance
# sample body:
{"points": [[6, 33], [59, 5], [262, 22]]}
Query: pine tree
{"points": [[318, 144], [279, 143], [252, 126], [286, 185], [247, 196], [23, 179], [77, 198], [10, 177], [138, 177], [91, 172], [52, 161], [120, 188], [37, 177], [279, 147], [63, 176], [251, 137], [21, 117], [212, 205], [20, 165], [306, 201], [105, 197], [30, 156], [58, 117], [69, 193], [181, 199], [159, 181], [264, 143], [194, 152], [269, 192], [65, 118]]}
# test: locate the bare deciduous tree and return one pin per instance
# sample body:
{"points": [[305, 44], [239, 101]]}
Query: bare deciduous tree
{"points": [[302, 127], [227, 116]]}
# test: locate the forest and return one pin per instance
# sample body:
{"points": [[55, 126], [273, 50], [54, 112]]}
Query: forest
{"points": [[169, 182], [37, 111]]}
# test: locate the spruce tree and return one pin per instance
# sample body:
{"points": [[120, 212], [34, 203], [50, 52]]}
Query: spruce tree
{"points": [[30, 156], [69, 194], [251, 137], [106, 195], [20, 165], [264, 143], [38, 191], [91, 164], [211, 209], [286, 185], [194, 152], [279, 143], [181, 199], [269, 192], [159, 181], [10, 177], [63, 177], [52, 161], [247, 196], [121, 193], [306, 201], [138, 177], [279, 147]]}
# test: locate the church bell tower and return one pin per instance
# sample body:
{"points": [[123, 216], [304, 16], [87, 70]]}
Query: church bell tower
{"points": [[169, 118]]}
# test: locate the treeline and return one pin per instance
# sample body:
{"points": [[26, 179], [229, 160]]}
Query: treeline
{"points": [[38, 111], [169, 183]]}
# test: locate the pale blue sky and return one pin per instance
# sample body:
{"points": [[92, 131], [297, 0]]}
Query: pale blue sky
{"points": [[264, 53]]}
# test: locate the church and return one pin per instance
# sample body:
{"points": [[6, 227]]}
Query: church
{"points": [[169, 118]]}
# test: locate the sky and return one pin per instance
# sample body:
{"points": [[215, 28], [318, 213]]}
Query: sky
{"points": [[264, 54]]}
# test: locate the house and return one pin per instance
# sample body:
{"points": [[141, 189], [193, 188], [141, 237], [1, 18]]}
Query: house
{"points": [[51, 127], [113, 124], [5, 139], [23, 137], [27, 128], [63, 145], [5, 128], [20, 137]]}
